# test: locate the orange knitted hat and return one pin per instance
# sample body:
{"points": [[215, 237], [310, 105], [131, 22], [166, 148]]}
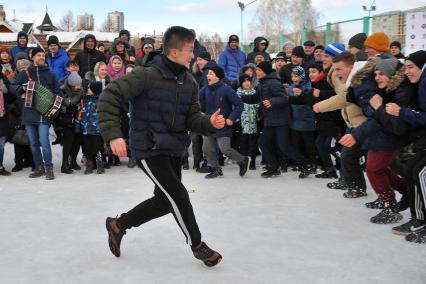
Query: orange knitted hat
{"points": [[379, 41]]}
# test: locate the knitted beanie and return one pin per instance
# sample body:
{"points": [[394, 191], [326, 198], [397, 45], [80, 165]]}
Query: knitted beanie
{"points": [[334, 49], [74, 79], [265, 66], [388, 66], [218, 71], [418, 58], [358, 40], [378, 41], [299, 71], [396, 43], [299, 52], [205, 55]]}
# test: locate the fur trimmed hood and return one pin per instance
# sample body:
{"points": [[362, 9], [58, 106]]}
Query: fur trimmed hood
{"points": [[395, 81]]}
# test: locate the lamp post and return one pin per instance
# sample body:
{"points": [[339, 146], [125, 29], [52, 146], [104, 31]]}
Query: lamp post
{"points": [[242, 7], [367, 19]]}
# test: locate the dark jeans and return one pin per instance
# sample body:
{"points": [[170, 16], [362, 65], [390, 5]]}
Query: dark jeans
{"points": [[415, 175], [38, 135], [170, 196], [304, 142], [323, 144], [248, 144], [93, 146], [68, 140], [281, 135], [351, 167], [197, 146]]}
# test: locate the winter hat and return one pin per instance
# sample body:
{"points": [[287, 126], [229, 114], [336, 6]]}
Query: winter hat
{"points": [[396, 43], [244, 77], [357, 40], [74, 79], [388, 66], [36, 50], [334, 49], [260, 54], [289, 44], [147, 44], [319, 46], [53, 40], [317, 66], [280, 55], [298, 71], [124, 32], [218, 71], [309, 43], [379, 41], [205, 55], [418, 58], [96, 87], [233, 38], [265, 66], [298, 51]]}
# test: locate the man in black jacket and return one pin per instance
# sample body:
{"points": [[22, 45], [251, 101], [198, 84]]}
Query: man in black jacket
{"points": [[89, 56], [164, 106]]}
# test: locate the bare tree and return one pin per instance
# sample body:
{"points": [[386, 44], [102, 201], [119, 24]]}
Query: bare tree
{"points": [[274, 18], [67, 23], [104, 26], [214, 44]]}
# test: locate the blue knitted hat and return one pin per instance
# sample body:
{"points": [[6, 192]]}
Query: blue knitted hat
{"points": [[299, 71], [335, 48]]}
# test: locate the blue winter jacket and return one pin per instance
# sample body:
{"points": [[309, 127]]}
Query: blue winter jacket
{"points": [[221, 96], [303, 117], [17, 49], [270, 88], [58, 64], [231, 61], [42, 75]]}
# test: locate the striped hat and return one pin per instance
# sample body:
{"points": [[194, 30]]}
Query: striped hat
{"points": [[299, 71], [335, 48]]}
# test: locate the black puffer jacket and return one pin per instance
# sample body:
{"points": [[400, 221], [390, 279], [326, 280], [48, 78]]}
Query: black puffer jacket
{"points": [[87, 58], [70, 105], [271, 89], [163, 107]]}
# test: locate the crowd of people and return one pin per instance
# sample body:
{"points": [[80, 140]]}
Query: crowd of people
{"points": [[342, 110]]}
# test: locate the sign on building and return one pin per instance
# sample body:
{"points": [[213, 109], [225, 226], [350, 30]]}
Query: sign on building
{"points": [[415, 33]]}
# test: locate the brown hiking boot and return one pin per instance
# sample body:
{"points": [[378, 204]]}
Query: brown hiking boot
{"points": [[115, 234], [206, 254], [38, 172]]}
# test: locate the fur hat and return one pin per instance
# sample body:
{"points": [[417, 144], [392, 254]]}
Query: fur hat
{"points": [[379, 41], [265, 66]]}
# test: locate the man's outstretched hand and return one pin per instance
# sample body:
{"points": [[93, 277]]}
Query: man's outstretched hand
{"points": [[217, 120], [118, 147]]}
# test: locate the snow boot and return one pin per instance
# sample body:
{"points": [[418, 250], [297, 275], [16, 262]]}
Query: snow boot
{"points": [[388, 215], [49, 174], [89, 167]]}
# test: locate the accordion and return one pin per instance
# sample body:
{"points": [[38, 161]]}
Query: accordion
{"points": [[42, 99]]}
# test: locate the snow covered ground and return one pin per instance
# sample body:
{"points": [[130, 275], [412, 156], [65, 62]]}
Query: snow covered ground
{"points": [[281, 230]]}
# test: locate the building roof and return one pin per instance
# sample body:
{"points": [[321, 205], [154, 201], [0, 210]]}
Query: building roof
{"points": [[47, 24], [9, 40]]}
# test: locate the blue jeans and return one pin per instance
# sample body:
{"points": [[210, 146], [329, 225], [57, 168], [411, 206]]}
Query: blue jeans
{"points": [[2, 142], [39, 137]]}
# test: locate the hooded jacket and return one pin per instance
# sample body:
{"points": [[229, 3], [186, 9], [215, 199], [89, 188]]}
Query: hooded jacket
{"points": [[303, 117], [257, 41], [125, 56], [383, 132], [17, 48], [231, 61], [58, 63], [163, 108], [87, 58], [46, 78]]}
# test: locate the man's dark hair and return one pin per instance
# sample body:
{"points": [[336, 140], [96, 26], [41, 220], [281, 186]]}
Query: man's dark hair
{"points": [[346, 57], [176, 37]]}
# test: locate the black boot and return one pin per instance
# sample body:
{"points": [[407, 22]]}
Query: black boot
{"points": [[74, 165], [243, 166], [217, 172], [17, 168], [388, 215], [271, 171], [329, 173], [252, 165], [89, 167], [3, 172], [65, 168], [100, 166], [132, 163], [306, 170]]}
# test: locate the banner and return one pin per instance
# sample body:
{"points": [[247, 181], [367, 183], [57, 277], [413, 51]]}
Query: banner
{"points": [[415, 32]]}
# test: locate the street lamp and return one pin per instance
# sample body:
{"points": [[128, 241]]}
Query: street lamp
{"points": [[242, 7], [371, 8]]}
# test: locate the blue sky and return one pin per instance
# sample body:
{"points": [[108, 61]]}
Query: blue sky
{"points": [[209, 16]]}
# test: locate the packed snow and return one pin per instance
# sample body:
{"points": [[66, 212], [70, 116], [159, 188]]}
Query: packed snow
{"points": [[279, 230]]}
